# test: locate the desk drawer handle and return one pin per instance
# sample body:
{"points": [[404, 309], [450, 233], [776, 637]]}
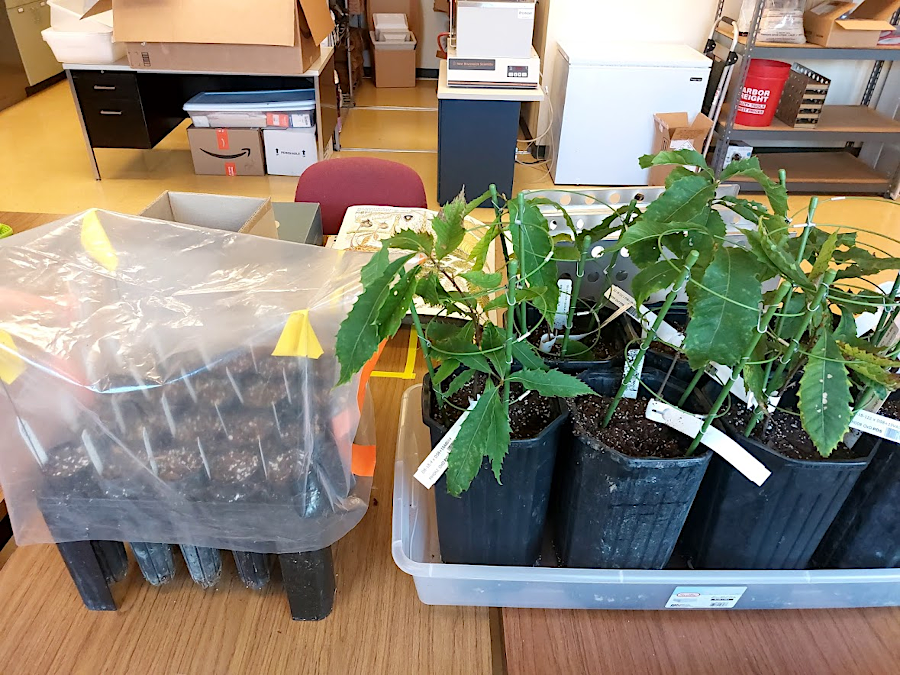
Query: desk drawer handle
{"points": [[110, 112], [104, 87]]}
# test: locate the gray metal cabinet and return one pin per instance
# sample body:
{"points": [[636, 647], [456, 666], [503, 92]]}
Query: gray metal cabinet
{"points": [[28, 18]]}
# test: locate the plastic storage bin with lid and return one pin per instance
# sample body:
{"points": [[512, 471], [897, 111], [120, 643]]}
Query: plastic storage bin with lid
{"points": [[253, 109], [75, 37], [391, 27]]}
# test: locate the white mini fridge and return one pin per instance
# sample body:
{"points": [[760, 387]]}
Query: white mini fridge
{"points": [[604, 98]]}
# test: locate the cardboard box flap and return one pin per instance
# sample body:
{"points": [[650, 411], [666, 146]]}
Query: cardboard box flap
{"points": [[316, 17], [864, 24], [881, 10], [99, 8], [666, 121], [262, 22]]}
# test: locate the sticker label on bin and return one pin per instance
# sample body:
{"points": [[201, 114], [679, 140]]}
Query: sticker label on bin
{"points": [[705, 597]]}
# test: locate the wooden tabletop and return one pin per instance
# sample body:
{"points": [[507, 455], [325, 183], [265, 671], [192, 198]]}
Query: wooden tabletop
{"points": [[378, 624]]}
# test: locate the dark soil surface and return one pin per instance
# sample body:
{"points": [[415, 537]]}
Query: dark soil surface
{"points": [[629, 431], [663, 348], [608, 346], [785, 435], [527, 418], [891, 409]]}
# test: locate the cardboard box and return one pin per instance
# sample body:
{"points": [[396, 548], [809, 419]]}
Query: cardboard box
{"points": [[675, 132], [289, 152], [845, 24], [395, 62], [226, 152], [412, 9], [263, 36], [245, 215]]}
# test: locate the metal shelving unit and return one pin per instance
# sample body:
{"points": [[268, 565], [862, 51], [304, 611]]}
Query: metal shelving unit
{"points": [[838, 170]]}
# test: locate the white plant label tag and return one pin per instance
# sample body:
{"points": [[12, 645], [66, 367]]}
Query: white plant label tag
{"points": [[631, 390], [562, 306], [434, 466], [715, 440], [877, 425], [705, 597], [666, 333]]}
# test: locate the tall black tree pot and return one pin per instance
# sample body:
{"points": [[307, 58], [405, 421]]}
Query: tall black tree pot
{"points": [[614, 511], [735, 524], [492, 524]]}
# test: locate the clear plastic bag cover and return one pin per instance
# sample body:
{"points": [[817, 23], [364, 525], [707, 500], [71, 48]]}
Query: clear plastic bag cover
{"points": [[141, 400], [781, 21]]}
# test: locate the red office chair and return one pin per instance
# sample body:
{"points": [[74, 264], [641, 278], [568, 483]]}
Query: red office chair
{"points": [[338, 184]]}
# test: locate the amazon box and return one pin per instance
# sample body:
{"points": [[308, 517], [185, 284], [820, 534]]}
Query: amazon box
{"points": [[276, 37], [846, 24], [227, 152], [244, 215]]}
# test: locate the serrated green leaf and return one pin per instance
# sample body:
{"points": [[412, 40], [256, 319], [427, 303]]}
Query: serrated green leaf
{"points": [[774, 190], [856, 353], [396, 305], [678, 173], [526, 354], [846, 329], [825, 402], [724, 311], [793, 310], [776, 227], [875, 374], [566, 252], [687, 157], [823, 260], [576, 351], [754, 371], [482, 247], [683, 201], [648, 231], [411, 240], [433, 293], [777, 259], [705, 241], [450, 341], [460, 381], [493, 342], [358, 336], [656, 277], [485, 432], [448, 227], [533, 248], [559, 207], [552, 383], [745, 208], [448, 367], [487, 281], [374, 269]]}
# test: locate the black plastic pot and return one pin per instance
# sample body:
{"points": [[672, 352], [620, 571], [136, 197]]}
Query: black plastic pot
{"points": [[866, 532], [614, 332], [736, 525], [492, 524], [613, 511]]}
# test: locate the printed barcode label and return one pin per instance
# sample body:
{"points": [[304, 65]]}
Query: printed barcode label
{"points": [[877, 425], [705, 597]]}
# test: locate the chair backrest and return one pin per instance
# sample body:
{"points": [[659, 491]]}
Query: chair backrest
{"points": [[337, 184]]}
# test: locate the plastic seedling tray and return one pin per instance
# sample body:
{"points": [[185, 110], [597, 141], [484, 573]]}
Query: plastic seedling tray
{"points": [[416, 552]]}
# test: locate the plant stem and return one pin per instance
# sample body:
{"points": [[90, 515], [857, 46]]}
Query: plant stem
{"points": [[651, 335], [520, 218], [780, 295], [576, 290], [423, 343], [690, 388], [512, 272], [498, 215], [785, 359], [887, 318]]}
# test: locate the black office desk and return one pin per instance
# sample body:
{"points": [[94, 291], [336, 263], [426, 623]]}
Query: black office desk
{"points": [[120, 107]]}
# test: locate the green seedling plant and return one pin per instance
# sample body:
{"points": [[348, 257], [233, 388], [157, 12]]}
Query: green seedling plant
{"points": [[768, 338], [480, 343]]}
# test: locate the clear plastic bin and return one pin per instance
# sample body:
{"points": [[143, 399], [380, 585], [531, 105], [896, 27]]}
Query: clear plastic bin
{"points": [[416, 552], [84, 47], [253, 109]]}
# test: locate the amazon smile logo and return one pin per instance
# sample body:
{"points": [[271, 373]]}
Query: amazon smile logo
{"points": [[244, 151]]}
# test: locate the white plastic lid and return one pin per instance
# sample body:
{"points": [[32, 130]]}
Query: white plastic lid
{"points": [[388, 20], [287, 100], [633, 54]]}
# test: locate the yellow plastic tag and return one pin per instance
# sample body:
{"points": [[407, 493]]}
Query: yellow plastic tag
{"points": [[11, 364], [96, 243], [298, 337]]}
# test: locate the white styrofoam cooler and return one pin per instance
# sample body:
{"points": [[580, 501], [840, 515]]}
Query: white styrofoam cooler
{"points": [[416, 551], [253, 109], [604, 98], [89, 47]]}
